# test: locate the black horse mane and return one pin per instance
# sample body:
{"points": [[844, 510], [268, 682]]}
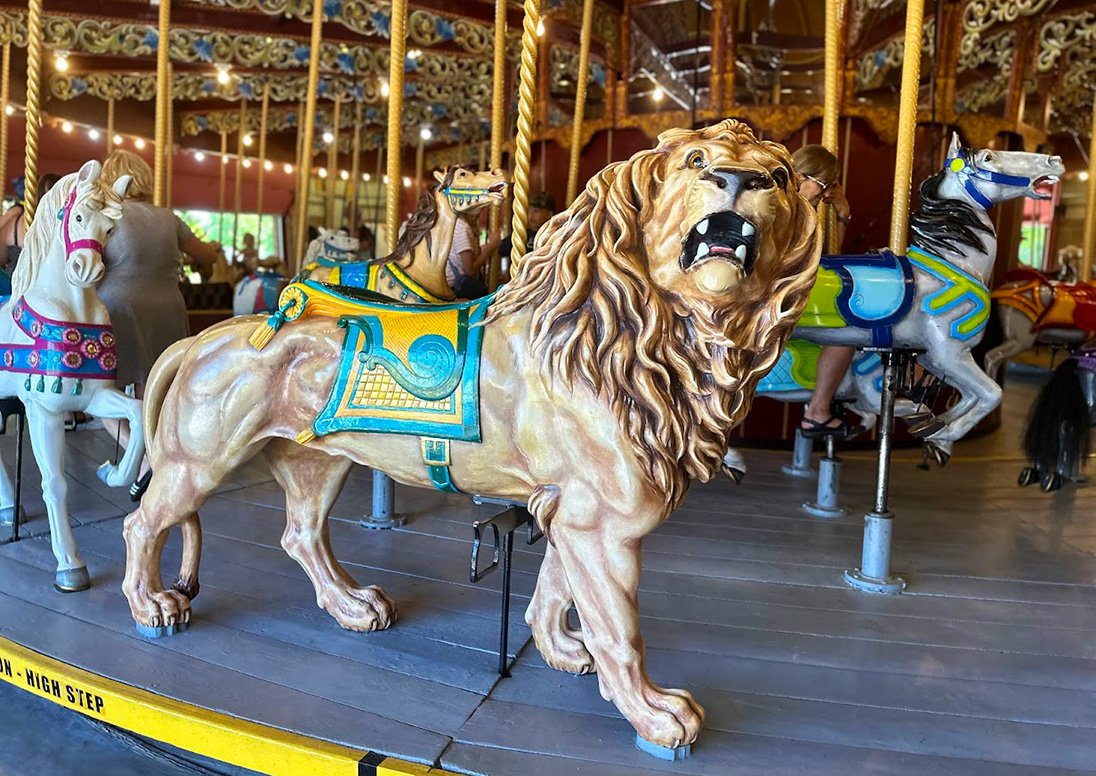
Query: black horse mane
{"points": [[419, 223], [943, 225]]}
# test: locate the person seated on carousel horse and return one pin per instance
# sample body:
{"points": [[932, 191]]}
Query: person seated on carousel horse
{"points": [[817, 171], [367, 244], [11, 224], [140, 288], [464, 268], [249, 257]]}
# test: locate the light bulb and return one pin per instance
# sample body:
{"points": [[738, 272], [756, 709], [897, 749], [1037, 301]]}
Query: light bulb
{"points": [[93, 133], [385, 180], [66, 127], [224, 159], [540, 28], [268, 165], [425, 133], [384, 88], [344, 175], [328, 136], [223, 75], [1082, 175], [366, 176], [288, 168], [322, 172], [10, 110], [414, 53], [658, 94], [139, 143], [60, 61], [406, 182], [199, 156], [247, 164], [117, 140], [248, 140]]}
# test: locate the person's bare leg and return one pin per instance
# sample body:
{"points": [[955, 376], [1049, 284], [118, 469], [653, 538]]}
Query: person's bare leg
{"points": [[833, 363]]}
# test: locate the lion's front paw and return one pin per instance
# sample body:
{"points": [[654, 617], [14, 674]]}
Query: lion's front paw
{"points": [[669, 718], [563, 650], [162, 608], [361, 608]]}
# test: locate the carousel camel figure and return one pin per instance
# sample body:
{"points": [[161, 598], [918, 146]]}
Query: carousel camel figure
{"points": [[594, 388], [935, 299], [1037, 310], [57, 350], [415, 271]]}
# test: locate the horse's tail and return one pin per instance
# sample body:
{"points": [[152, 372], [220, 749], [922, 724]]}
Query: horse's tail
{"points": [[159, 382], [1056, 437]]}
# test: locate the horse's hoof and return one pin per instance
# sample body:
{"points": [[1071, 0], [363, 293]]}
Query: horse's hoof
{"points": [[7, 515], [1028, 476], [159, 631], [72, 580], [736, 474], [1051, 482], [938, 454]]}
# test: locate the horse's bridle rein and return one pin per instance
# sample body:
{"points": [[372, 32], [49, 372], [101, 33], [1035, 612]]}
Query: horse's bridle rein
{"points": [[968, 172], [71, 246]]}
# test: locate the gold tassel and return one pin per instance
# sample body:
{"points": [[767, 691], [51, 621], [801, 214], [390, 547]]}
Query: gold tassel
{"points": [[262, 336], [306, 436]]}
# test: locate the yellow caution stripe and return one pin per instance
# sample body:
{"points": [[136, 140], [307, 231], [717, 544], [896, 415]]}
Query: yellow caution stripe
{"points": [[192, 728]]}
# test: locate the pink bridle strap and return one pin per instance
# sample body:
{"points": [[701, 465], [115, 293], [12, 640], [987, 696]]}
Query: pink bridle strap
{"points": [[71, 246]]}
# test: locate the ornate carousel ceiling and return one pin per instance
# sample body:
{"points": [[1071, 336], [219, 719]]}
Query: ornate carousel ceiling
{"points": [[988, 65]]}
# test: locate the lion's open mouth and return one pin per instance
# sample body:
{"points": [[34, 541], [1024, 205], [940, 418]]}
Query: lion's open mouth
{"points": [[726, 236]]}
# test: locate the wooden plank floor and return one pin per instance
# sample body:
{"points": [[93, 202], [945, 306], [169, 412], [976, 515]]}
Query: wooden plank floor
{"points": [[987, 665]]}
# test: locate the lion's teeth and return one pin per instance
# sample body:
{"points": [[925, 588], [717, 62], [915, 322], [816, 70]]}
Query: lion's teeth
{"points": [[747, 229], [740, 252], [702, 227], [701, 251]]}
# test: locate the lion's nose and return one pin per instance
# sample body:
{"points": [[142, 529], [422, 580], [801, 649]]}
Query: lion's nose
{"points": [[735, 182]]}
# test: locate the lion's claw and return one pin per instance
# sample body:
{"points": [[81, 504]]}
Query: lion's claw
{"points": [[360, 608], [669, 717]]}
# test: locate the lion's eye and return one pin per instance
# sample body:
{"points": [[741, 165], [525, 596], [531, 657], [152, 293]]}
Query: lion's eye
{"points": [[781, 177], [695, 160]]}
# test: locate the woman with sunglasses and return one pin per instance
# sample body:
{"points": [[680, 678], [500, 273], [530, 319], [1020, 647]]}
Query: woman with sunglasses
{"points": [[817, 171]]}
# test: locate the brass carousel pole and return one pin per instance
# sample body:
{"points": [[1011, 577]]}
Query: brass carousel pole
{"points": [[221, 188], [1090, 204], [354, 183], [34, 115], [498, 127], [169, 145], [304, 167], [110, 125], [163, 100], [332, 168], [263, 117], [580, 99], [5, 94], [384, 490], [297, 203], [831, 102], [238, 191], [526, 115], [874, 574]]}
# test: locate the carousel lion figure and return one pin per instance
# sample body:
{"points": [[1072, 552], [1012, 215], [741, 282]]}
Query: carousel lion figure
{"points": [[594, 387]]}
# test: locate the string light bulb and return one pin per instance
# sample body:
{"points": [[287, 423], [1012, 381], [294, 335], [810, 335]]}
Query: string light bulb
{"points": [[247, 164], [1082, 175], [344, 175], [366, 177], [288, 168], [406, 182], [658, 93], [426, 133], [268, 165], [328, 137], [117, 140], [60, 61], [384, 88], [248, 140], [66, 127], [93, 133], [199, 156], [322, 172], [540, 28], [224, 76], [139, 143], [224, 159], [10, 110]]}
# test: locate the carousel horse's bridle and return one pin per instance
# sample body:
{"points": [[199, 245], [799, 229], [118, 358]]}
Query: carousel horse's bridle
{"points": [[71, 246], [964, 166]]}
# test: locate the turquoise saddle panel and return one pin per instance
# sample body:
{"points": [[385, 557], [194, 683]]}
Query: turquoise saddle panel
{"points": [[877, 291]]}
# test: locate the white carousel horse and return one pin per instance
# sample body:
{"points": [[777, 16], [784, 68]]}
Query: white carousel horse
{"points": [[57, 351], [936, 298], [258, 292], [332, 247]]}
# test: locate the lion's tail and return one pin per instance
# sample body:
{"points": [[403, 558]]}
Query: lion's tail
{"points": [[159, 381]]}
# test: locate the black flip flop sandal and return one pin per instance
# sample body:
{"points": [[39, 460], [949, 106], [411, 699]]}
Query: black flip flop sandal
{"points": [[816, 430]]}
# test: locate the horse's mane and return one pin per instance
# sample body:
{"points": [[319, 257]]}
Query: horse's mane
{"points": [[678, 373], [419, 223], [942, 226]]}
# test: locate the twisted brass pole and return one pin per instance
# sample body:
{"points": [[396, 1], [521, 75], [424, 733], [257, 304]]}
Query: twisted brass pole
{"points": [[263, 114], [163, 98], [355, 170], [221, 189], [397, 54], [238, 191], [332, 169], [169, 144], [110, 125], [580, 99], [5, 94], [831, 105], [1090, 204], [526, 115], [907, 124], [33, 114], [304, 167]]}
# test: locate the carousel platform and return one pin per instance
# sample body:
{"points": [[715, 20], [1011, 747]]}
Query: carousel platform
{"points": [[986, 665]]}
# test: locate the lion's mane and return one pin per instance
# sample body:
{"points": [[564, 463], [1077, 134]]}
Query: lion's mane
{"points": [[678, 374]]}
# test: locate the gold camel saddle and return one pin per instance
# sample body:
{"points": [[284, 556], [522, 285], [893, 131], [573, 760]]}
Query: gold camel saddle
{"points": [[405, 369]]}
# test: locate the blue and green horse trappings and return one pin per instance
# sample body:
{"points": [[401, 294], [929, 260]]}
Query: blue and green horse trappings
{"points": [[959, 287], [388, 279]]}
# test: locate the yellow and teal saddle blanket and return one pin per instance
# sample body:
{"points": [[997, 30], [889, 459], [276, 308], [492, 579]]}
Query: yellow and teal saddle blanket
{"points": [[877, 290], [405, 369], [388, 279]]}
